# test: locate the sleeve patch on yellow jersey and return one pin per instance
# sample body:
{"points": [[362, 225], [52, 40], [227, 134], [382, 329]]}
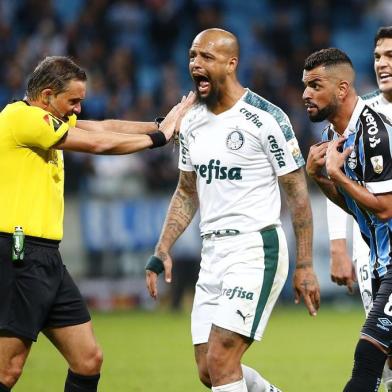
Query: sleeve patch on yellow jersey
{"points": [[53, 121]]}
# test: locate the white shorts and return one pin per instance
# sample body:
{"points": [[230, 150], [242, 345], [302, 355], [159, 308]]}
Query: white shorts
{"points": [[240, 280], [362, 268]]}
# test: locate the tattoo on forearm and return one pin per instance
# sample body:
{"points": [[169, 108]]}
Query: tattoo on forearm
{"points": [[297, 199], [162, 255], [303, 265], [181, 210]]}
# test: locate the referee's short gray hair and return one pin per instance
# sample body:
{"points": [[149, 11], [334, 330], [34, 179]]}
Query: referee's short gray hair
{"points": [[53, 72]]}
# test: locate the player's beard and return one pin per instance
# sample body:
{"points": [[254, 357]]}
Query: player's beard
{"points": [[212, 98], [325, 112]]}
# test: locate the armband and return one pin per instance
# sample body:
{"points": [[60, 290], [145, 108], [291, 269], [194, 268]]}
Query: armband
{"points": [[155, 264], [158, 139]]}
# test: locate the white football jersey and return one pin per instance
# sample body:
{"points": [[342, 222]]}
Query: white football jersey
{"points": [[379, 103], [237, 156]]}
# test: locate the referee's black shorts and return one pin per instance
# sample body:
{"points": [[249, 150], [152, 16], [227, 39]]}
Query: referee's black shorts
{"points": [[38, 292]]}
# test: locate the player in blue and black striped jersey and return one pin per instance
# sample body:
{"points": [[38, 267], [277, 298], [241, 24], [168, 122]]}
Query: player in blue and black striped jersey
{"points": [[353, 167], [342, 267]]}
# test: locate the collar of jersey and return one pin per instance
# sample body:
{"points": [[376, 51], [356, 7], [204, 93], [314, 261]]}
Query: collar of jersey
{"points": [[351, 126]]}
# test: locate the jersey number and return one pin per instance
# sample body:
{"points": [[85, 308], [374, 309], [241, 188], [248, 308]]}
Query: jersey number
{"points": [[388, 306], [364, 272]]}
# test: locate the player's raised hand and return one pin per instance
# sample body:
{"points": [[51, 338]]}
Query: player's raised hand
{"points": [[335, 159], [306, 286], [316, 158], [170, 124]]}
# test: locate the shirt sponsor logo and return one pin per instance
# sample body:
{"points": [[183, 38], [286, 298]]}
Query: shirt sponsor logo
{"points": [[52, 157], [53, 121], [367, 300], [184, 150], [244, 317], [276, 150], [384, 323], [235, 140], [294, 147], [215, 171], [377, 163], [352, 160], [372, 128], [254, 118], [193, 134], [238, 292]]}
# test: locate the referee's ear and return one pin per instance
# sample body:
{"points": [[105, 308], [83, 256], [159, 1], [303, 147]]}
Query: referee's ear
{"points": [[45, 96]]}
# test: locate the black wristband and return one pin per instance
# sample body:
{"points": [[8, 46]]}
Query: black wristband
{"points": [[158, 139], [155, 264], [158, 121]]}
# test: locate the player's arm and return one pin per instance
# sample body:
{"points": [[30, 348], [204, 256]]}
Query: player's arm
{"points": [[182, 209], [341, 265], [314, 168], [114, 143], [119, 126], [108, 143], [297, 198], [379, 204], [132, 127]]}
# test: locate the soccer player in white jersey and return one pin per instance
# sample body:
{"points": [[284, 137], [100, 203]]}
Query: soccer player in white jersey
{"points": [[342, 269], [236, 148]]}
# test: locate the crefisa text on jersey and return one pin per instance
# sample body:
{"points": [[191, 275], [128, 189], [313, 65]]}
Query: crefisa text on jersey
{"points": [[238, 292], [214, 171], [251, 117], [276, 150]]}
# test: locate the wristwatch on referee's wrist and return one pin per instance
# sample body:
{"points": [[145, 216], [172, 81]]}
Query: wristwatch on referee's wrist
{"points": [[158, 121]]}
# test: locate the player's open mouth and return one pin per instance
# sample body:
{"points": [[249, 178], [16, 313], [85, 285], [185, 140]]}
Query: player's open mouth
{"points": [[385, 77], [309, 106], [202, 83]]}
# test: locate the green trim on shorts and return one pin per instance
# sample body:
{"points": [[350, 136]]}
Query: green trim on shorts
{"points": [[271, 257]]}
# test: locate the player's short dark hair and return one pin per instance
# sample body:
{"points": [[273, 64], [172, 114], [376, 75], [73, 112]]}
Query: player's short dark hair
{"points": [[53, 72], [327, 57], [383, 32]]}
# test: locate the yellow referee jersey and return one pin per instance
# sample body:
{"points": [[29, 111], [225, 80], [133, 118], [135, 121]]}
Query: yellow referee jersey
{"points": [[31, 172]]}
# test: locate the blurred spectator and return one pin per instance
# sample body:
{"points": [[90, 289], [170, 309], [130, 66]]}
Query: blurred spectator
{"points": [[383, 8], [109, 180], [207, 14], [164, 24], [127, 22]]}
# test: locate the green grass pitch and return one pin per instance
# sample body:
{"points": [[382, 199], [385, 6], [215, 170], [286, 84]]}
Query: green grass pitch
{"points": [[152, 352]]}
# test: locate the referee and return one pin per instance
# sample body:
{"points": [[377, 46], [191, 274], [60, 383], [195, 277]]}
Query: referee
{"points": [[37, 293]]}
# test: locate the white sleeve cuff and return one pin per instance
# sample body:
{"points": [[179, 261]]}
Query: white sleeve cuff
{"points": [[337, 221], [379, 187]]}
